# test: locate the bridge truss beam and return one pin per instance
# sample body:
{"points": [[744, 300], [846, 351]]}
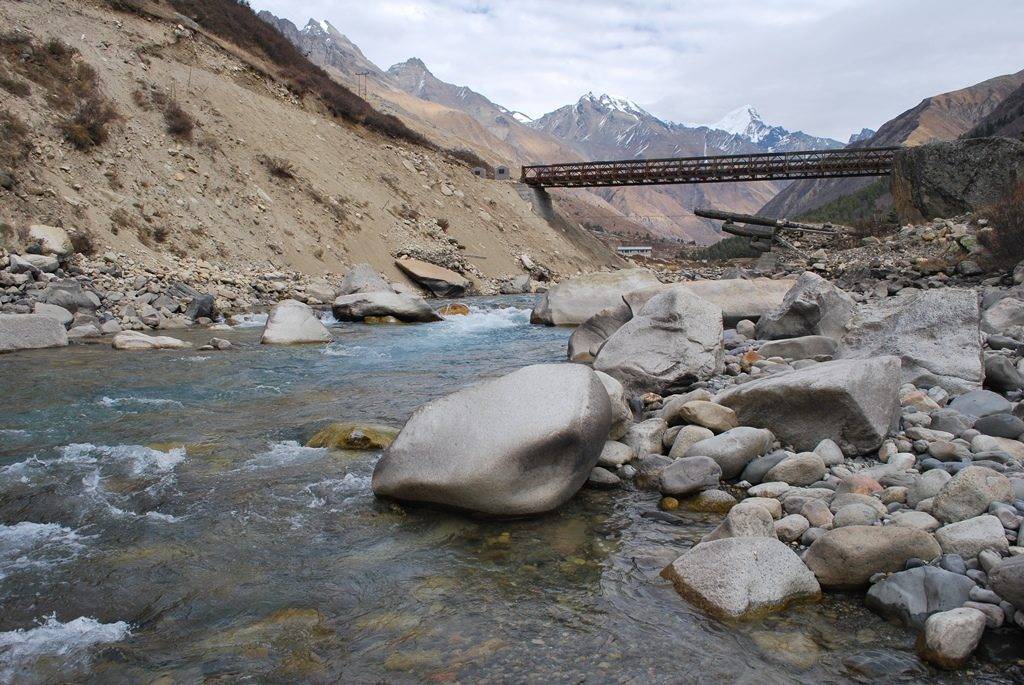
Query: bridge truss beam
{"points": [[718, 169]]}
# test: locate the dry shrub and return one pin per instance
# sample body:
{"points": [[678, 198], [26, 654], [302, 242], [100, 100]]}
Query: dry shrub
{"points": [[83, 242], [142, 100], [14, 86], [179, 122], [1005, 240], [87, 126], [278, 167], [161, 233], [471, 159], [14, 143]]}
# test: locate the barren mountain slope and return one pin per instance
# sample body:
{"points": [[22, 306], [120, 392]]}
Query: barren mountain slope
{"points": [[940, 117], [354, 195], [1005, 120]]}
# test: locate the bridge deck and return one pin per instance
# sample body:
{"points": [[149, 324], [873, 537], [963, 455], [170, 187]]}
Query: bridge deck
{"points": [[718, 169]]}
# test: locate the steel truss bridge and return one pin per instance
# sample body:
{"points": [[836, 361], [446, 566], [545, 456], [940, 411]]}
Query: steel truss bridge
{"points": [[766, 166]]}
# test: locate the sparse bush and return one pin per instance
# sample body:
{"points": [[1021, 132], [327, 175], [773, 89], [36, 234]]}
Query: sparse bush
{"points": [[443, 223], [14, 86], [87, 126], [128, 6], [141, 99], [14, 143], [1005, 241], [82, 241], [471, 159], [733, 247], [278, 167], [179, 122], [161, 233]]}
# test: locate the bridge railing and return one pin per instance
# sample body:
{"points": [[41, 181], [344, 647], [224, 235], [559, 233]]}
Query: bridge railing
{"points": [[715, 169]]}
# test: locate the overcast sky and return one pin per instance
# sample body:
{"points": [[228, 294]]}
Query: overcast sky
{"points": [[828, 67]]}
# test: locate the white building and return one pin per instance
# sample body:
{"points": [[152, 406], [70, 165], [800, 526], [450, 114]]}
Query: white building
{"points": [[635, 251]]}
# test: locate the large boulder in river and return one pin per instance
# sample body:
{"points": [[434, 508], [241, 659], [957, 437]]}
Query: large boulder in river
{"points": [[742, 577], [854, 403], [622, 415], [358, 306], [845, 558], [935, 333], [438, 280], [733, 449], [742, 298], [292, 322], [586, 341], [516, 445], [813, 306], [134, 340], [572, 302], [30, 331], [674, 340], [363, 278]]}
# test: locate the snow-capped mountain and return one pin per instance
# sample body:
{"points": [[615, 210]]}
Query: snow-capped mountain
{"points": [[864, 134], [747, 123]]}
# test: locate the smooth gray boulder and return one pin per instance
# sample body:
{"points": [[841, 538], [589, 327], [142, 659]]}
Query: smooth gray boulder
{"points": [[742, 577], [674, 340], [615, 454], [517, 445], [935, 333], [51, 240], [572, 302], [950, 637], [363, 278], [686, 437], [748, 519], [845, 558], [646, 437], [813, 306], [54, 312], [622, 415], [586, 341], [134, 340], [1007, 580], [733, 449], [438, 280], [359, 306], [292, 323], [70, 295], [742, 298], [689, 475], [969, 493], [911, 596], [754, 472], [800, 469], [854, 403], [30, 332], [926, 486], [1002, 315], [970, 537], [979, 403]]}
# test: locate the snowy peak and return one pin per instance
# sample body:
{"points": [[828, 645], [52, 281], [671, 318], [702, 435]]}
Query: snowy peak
{"points": [[611, 103], [743, 121]]}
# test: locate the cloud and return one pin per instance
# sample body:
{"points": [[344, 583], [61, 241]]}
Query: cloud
{"points": [[828, 67]]}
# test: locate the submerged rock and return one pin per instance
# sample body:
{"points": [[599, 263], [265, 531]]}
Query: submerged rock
{"points": [[354, 436], [912, 596], [742, 577], [516, 445], [292, 322], [134, 340]]}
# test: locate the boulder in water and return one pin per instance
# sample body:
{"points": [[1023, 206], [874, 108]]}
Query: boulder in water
{"points": [[572, 302], [354, 436], [292, 322], [438, 280], [517, 445], [30, 331], [359, 306], [134, 340]]}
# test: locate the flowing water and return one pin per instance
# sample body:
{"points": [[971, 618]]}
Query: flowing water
{"points": [[160, 521]]}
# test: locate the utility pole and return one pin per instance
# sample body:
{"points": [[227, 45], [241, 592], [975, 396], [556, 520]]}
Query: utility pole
{"points": [[362, 83]]}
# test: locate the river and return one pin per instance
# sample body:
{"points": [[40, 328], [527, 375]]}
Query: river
{"points": [[160, 521]]}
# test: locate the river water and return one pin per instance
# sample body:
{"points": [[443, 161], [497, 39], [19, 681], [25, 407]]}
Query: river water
{"points": [[160, 521]]}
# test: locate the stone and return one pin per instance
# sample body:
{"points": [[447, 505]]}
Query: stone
{"points": [[517, 445], [733, 449], [30, 332], [1000, 426], [755, 471], [686, 437], [742, 298], [851, 402], [573, 301], [909, 518], [845, 499], [622, 415], [615, 454], [54, 312], [1001, 375], [813, 306], [134, 340], [711, 501], [51, 240], [979, 403], [33, 263], [70, 295], [292, 322], [910, 597], [438, 280], [935, 333], [672, 341], [926, 486], [689, 475], [950, 421], [772, 506], [743, 521], [1002, 315], [362, 278], [602, 478], [353, 436], [800, 469], [846, 558], [742, 577], [586, 341], [454, 309], [950, 637], [987, 443], [746, 328], [1007, 580], [969, 537], [712, 416], [359, 306], [969, 493], [88, 330], [791, 528], [645, 437], [858, 483], [320, 289], [855, 515], [804, 347]]}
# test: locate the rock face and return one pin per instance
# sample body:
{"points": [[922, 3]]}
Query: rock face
{"points": [[969, 493], [359, 306], [935, 333], [813, 306], [292, 322], [30, 331], [742, 298], [517, 445], [912, 596], [847, 557], [586, 341], [133, 340], [572, 302], [675, 339], [951, 178], [440, 281], [850, 402], [950, 637], [362, 278], [742, 577]]}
